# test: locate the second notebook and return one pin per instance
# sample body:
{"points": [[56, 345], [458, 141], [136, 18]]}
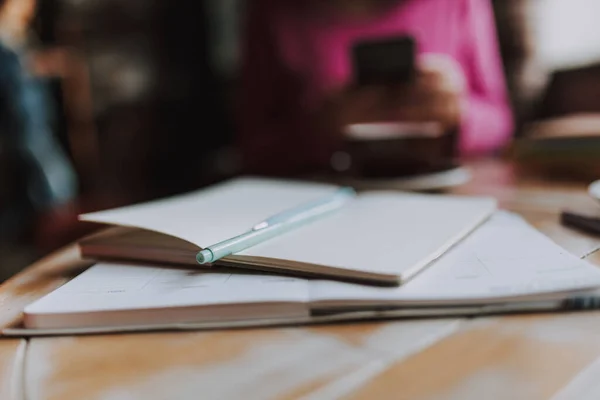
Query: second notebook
{"points": [[382, 238]]}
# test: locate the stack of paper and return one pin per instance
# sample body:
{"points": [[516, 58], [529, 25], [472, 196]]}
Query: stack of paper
{"points": [[504, 265]]}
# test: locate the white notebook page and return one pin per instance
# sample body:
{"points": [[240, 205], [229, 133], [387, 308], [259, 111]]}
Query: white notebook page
{"points": [[390, 233], [505, 258], [106, 287], [209, 216], [381, 232]]}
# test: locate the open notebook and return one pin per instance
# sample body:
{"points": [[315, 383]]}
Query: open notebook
{"points": [[377, 237], [505, 265]]}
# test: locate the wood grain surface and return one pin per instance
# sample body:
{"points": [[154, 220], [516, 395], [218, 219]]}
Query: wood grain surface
{"points": [[12, 354], [544, 356]]}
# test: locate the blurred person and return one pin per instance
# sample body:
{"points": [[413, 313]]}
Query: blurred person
{"points": [[297, 94], [38, 180]]}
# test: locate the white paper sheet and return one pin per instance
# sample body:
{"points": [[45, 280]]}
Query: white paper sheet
{"points": [[121, 287], [218, 213], [382, 232], [505, 258]]}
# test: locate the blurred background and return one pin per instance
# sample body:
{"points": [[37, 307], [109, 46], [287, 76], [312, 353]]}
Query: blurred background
{"points": [[139, 95]]}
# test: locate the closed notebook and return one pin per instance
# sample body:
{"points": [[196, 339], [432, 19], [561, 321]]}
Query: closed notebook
{"points": [[377, 237], [506, 265]]}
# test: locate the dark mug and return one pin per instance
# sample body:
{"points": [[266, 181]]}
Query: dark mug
{"points": [[393, 156]]}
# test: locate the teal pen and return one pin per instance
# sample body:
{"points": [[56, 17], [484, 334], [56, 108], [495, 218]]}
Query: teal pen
{"points": [[276, 225]]}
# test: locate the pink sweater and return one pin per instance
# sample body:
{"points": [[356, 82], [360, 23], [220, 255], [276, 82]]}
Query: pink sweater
{"points": [[292, 59]]}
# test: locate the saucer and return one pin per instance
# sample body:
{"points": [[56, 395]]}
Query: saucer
{"points": [[425, 182], [594, 190]]}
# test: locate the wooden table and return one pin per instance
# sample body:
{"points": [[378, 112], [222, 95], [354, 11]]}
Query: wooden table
{"points": [[551, 356]]}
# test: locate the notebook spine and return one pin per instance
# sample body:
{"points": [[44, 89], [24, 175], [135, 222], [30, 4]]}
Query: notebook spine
{"points": [[582, 303]]}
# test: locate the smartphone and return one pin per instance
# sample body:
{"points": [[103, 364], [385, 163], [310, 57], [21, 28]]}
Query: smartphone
{"points": [[392, 61], [384, 61]]}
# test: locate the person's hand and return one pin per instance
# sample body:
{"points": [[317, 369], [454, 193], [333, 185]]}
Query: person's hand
{"points": [[355, 105], [435, 96]]}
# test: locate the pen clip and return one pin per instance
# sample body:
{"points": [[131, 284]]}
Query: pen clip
{"points": [[261, 225]]}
